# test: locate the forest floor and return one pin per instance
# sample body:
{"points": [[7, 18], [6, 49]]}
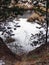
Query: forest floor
{"points": [[37, 57]]}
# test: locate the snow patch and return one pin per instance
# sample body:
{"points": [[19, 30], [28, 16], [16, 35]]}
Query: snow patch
{"points": [[1, 62], [22, 35]]}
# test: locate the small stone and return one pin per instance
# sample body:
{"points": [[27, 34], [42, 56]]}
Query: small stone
{"points": [[8, 27], [18, 25], [9, 40], [35, 42], [11, 31], [14, 28], [12, 34], [8, 32], [2, 28], [31, 44]]}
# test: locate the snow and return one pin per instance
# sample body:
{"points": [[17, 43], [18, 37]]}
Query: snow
{"points": [[23, 34], [29, 27], [1, 62]]}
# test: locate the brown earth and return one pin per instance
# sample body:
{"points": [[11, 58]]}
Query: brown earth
{"points": [[39, 55], [44, 9], [28, 6], [7, 55], [36, 16], [22, 5]]}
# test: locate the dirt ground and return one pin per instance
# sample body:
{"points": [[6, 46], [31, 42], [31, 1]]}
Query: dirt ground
{"points": [[37, 57]]}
